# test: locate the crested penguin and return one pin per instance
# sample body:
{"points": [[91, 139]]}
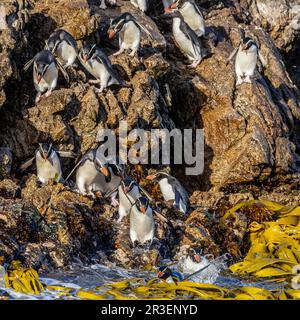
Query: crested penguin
{"points": [[93, 174], [129, 30], [143, 5], [129, 192], [190, 261], [191, 14], [96, 62], [47, 163], [64, 46], [141, 222], [45, 73], [186, 39], [172, 189], [246, 58], [169, 275]]}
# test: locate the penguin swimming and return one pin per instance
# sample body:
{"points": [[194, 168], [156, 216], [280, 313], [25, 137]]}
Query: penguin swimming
{"points": [[64, 46], [246, 58], [143, 5], [96, 62], [172, 189], [45, 73], [169, 275], [191, 14], [129, 30], [47, 163], [141, 222], [96, 175], [186, 39], [129, 192]]}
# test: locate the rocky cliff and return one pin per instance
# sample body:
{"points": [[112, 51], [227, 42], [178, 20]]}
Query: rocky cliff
{"points": [[251, 131]]}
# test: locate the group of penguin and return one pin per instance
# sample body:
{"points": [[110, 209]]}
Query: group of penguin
{"points": [[188, 27], [93, 173]]}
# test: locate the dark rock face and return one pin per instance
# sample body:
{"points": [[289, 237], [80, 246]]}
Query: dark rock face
{"points": [[251, 133]]}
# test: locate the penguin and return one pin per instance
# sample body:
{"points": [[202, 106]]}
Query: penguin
{"points": [[96, 175], [143, 5], [246, 58], [191, 14], [64, 46], [129, 30], [141, 222], [129, 191], [47, 163], [186, 39], [191, 261], [172, 189], [170, 276], [112, 3], [96, 62], [45, 73]]}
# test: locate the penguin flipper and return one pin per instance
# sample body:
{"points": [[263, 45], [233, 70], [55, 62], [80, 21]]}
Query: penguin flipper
{"points": [[262, 59], [63, 71], [27, 164], [29, 64], [232, 55], [144, 29]]}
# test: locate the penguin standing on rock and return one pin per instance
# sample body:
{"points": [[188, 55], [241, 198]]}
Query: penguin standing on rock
{"points": [[186, 39], [129, 30], [143, 5], [191, 14], [47, 163], [64, 46], [96, 62], [141, 222], [129, 192], [172, 190], [45, 73], [246, 58]]}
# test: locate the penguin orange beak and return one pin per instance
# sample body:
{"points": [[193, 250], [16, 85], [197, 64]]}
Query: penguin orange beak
{"points": [[39, 78], [168, 9], [197, 258], [159, 274], [150, 177], [174, 6], [111, 34], [126, 189], [105, 171], [143, 210]]}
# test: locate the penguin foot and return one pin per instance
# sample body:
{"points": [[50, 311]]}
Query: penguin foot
{"points": [[118, 52], [48, 93], [99, 90], [94, 81], [194, 64], [38, 183], [38, 97], [102, 6], [132, 53], [248, 79], [239, 81]]}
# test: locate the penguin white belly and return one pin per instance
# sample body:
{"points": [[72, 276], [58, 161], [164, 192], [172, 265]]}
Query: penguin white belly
{"points": [[67, 53], [166, 190], [49, 80], [141, 226], [99, 71], [86, 175], [245, 63], [193, 19], [189, 266], [184, 43], [47, 171], [131, 36]]}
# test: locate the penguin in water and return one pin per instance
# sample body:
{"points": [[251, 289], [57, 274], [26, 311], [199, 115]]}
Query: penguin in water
{"points": [[169, 275], [172, 190], [129, 192], [47, 163], [141, 222], [143, 5], [97, 63], [64, 46], [191, 14], [186, 39], [93, 174], [45, 73], [190, 261], [246, 56], [129, 30]]}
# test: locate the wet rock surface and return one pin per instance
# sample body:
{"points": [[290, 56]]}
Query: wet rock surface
{"points": [[251, 131]]}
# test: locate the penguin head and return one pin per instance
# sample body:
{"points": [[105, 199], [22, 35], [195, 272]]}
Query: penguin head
{"points": [[117, 24], [45, 150], [195, 254], [247, 43], [157, 176], [87, 51], [40, 68], [128, 184], [142, 204]]}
